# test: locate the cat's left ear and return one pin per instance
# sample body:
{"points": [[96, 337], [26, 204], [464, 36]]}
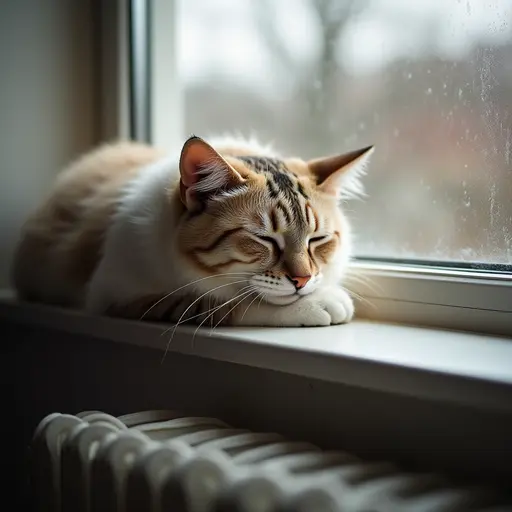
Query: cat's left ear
{"points": [[203, 172], [340, 175]]}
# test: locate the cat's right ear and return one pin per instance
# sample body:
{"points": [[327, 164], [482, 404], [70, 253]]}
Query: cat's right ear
{"points": [[203, 173]]}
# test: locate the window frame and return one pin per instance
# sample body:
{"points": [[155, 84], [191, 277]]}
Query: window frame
{"points": [[408, 292], [166, 100], [425, 295]]}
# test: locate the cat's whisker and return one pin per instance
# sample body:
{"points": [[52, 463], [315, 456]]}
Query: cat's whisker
{"points": [[360, 298], [361, 291], [211, 312], [356, 272], [185, 320], [364, 281], [226, 274], [250, 304], [247, 294], [188, 308]]}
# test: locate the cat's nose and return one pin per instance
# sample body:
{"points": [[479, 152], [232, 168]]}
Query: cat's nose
{"points": [[299, 281]]}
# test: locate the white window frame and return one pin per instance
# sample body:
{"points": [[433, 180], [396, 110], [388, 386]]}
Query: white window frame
{"points": [[140, 95], [426, 295], [470, 300], [166, 98]]}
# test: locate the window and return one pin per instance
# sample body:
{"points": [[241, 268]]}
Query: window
{"points": [[429, 83]]}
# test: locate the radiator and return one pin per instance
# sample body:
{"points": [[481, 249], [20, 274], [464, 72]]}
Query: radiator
{"points": [[166, 461]]}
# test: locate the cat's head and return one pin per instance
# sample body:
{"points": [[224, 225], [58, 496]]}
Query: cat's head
{"points": [[268, 225]]}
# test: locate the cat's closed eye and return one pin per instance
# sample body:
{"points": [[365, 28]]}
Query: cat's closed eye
{"points": [[269, 240], [266, 238], [318, 239]]}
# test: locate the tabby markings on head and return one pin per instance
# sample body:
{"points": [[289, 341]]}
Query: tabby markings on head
{"points": [[281, 183]]}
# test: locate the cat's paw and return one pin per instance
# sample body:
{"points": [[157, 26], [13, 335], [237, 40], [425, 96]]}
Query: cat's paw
{"points": [[330, 307]]}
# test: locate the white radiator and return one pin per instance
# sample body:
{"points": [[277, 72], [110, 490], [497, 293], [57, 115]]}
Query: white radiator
{"points": [[166, 461]]}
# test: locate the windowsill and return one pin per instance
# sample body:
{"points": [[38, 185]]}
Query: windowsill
{"points": [[434, 364]]}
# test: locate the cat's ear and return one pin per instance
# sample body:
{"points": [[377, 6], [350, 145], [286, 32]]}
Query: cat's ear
{"points": [[340, 175], [204, 172]]}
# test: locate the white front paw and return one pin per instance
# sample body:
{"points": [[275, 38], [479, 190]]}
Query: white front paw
{"points": [[330, 306]]}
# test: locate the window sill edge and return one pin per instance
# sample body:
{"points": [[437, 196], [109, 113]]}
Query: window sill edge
{"points": [[428, 363]]}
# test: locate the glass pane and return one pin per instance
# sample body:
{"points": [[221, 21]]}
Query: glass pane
{"points": [[429, 82]]}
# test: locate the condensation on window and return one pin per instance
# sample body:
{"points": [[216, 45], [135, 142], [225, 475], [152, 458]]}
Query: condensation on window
{"points": [[428, 82]]}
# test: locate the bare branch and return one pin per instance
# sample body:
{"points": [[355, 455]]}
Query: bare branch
{"points": [[265, 22]]}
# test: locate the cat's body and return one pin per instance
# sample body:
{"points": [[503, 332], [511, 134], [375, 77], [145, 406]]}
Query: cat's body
{"points": [[200, 235]]}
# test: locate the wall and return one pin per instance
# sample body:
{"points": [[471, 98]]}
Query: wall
{"points": [[48, 102]]}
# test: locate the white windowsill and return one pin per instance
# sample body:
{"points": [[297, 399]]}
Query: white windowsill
{"points": [[448, 366]]}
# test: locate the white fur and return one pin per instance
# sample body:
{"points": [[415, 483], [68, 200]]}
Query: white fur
{"points": [[250, 145], [215, 177], [134, 262]]}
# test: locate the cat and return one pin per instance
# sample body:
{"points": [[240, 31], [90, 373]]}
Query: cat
{"points": [[223, 232]]}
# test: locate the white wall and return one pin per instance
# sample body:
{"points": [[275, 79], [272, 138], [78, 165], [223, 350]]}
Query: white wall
{"points": [[48, 102]]}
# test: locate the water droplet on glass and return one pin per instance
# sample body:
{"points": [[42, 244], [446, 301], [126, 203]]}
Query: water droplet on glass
{"points": [[429, 91], [409, 76]]}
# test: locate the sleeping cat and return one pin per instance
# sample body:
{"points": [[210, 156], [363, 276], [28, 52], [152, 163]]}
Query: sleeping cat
{"points": [[223, 232]]}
